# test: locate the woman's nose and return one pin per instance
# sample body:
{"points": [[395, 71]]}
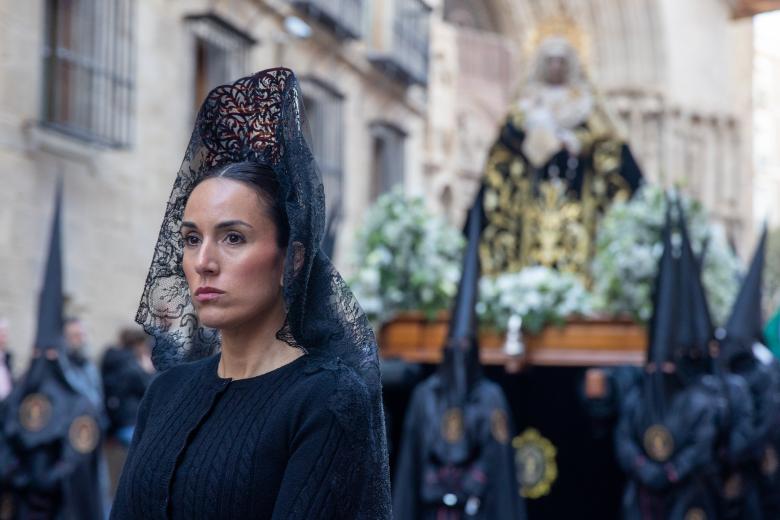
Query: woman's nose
{"points": [[206, 264]]}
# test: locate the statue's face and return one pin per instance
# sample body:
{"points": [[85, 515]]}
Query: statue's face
{"points": [[556, 69]]}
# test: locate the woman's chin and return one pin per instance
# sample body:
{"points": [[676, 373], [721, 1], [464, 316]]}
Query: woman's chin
{"points": [[213, 320]]}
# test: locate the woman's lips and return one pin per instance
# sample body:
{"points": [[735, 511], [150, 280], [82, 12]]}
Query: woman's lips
{"points": [[207, 294]]}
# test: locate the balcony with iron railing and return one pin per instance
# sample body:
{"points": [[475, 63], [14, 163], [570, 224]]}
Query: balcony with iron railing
{"points": [[343, 17], [404, 55]]}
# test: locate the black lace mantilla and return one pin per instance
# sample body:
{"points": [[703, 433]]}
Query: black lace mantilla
{"points": [[261, 118]]}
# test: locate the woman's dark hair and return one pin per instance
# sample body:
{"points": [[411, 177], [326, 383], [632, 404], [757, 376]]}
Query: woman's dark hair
{"points": [[262, 178]]}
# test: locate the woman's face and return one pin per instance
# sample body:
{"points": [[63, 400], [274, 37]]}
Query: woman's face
{"points": [[233, 265]]}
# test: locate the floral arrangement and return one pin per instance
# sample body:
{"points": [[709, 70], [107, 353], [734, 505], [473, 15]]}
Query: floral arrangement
{"points": [[628, 248], [405, 259], [539, 295]]}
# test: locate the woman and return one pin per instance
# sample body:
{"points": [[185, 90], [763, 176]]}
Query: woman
{"points": [[286, 420]]}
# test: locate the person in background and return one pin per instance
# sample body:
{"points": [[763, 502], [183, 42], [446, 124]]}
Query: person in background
{"points": [[126, 371], [741, 342], [50, 435], [6, 377], [87, 377], [456, 459], [84, 377], [667, 431]]}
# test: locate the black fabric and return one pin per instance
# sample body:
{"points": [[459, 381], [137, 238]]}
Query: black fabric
{"points": [[512, 136], [604, 411], [738, 343], [44, 472], [455, 459], [49, 463], [50, 303], [769, 473], [260, 118], [745, 324], [685, 405], [124, 385], [228, 452], [669, 489], [693, 324], [460, 370], [487, 473], [732, 475]]}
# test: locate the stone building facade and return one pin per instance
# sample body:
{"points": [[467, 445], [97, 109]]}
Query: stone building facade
{"points": [[103, 94], [766, 120]]}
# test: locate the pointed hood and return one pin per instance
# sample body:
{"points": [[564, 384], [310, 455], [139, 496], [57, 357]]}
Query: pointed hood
{"points": [[661, 324], [745, 323], [453, 432], [45, 388], [680, 328], [744, 326], [460, 367], [694, 324], [50, 303]]}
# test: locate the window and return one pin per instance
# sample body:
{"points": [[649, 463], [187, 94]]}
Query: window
{"points": [[387, 164], [402, 42], [89, 64], [343, 17], [221, 51], [410, 38], [323, 106]]}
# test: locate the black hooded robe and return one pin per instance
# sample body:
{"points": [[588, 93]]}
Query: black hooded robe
{"points": [[53, 472], [487, 470], [672, 488]]}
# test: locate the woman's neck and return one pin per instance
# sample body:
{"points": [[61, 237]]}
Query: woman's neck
{"points": [[250, 351]]}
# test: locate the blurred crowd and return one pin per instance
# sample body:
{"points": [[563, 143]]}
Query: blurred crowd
{"points": [[43, 468]]}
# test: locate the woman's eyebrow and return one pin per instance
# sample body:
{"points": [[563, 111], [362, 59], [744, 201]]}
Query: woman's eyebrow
{"points": [[188, 224], [232, 223]]}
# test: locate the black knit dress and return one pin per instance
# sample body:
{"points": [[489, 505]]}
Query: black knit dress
{"points": [[286, 444]]}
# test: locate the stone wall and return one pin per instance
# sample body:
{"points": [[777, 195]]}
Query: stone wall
{"points": [[114, 199]]}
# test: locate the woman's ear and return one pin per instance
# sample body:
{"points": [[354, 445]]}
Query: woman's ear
{"points": [[298, 258]]}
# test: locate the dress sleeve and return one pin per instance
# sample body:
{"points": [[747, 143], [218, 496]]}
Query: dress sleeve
{"points": [[332, 456]]}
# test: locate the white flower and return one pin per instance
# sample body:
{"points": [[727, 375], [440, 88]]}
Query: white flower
{"points": [[405, 258], [629, 247], [537, 294]]}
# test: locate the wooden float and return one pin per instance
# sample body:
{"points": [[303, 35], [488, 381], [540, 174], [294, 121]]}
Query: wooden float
{"points": [[580, 342]]}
